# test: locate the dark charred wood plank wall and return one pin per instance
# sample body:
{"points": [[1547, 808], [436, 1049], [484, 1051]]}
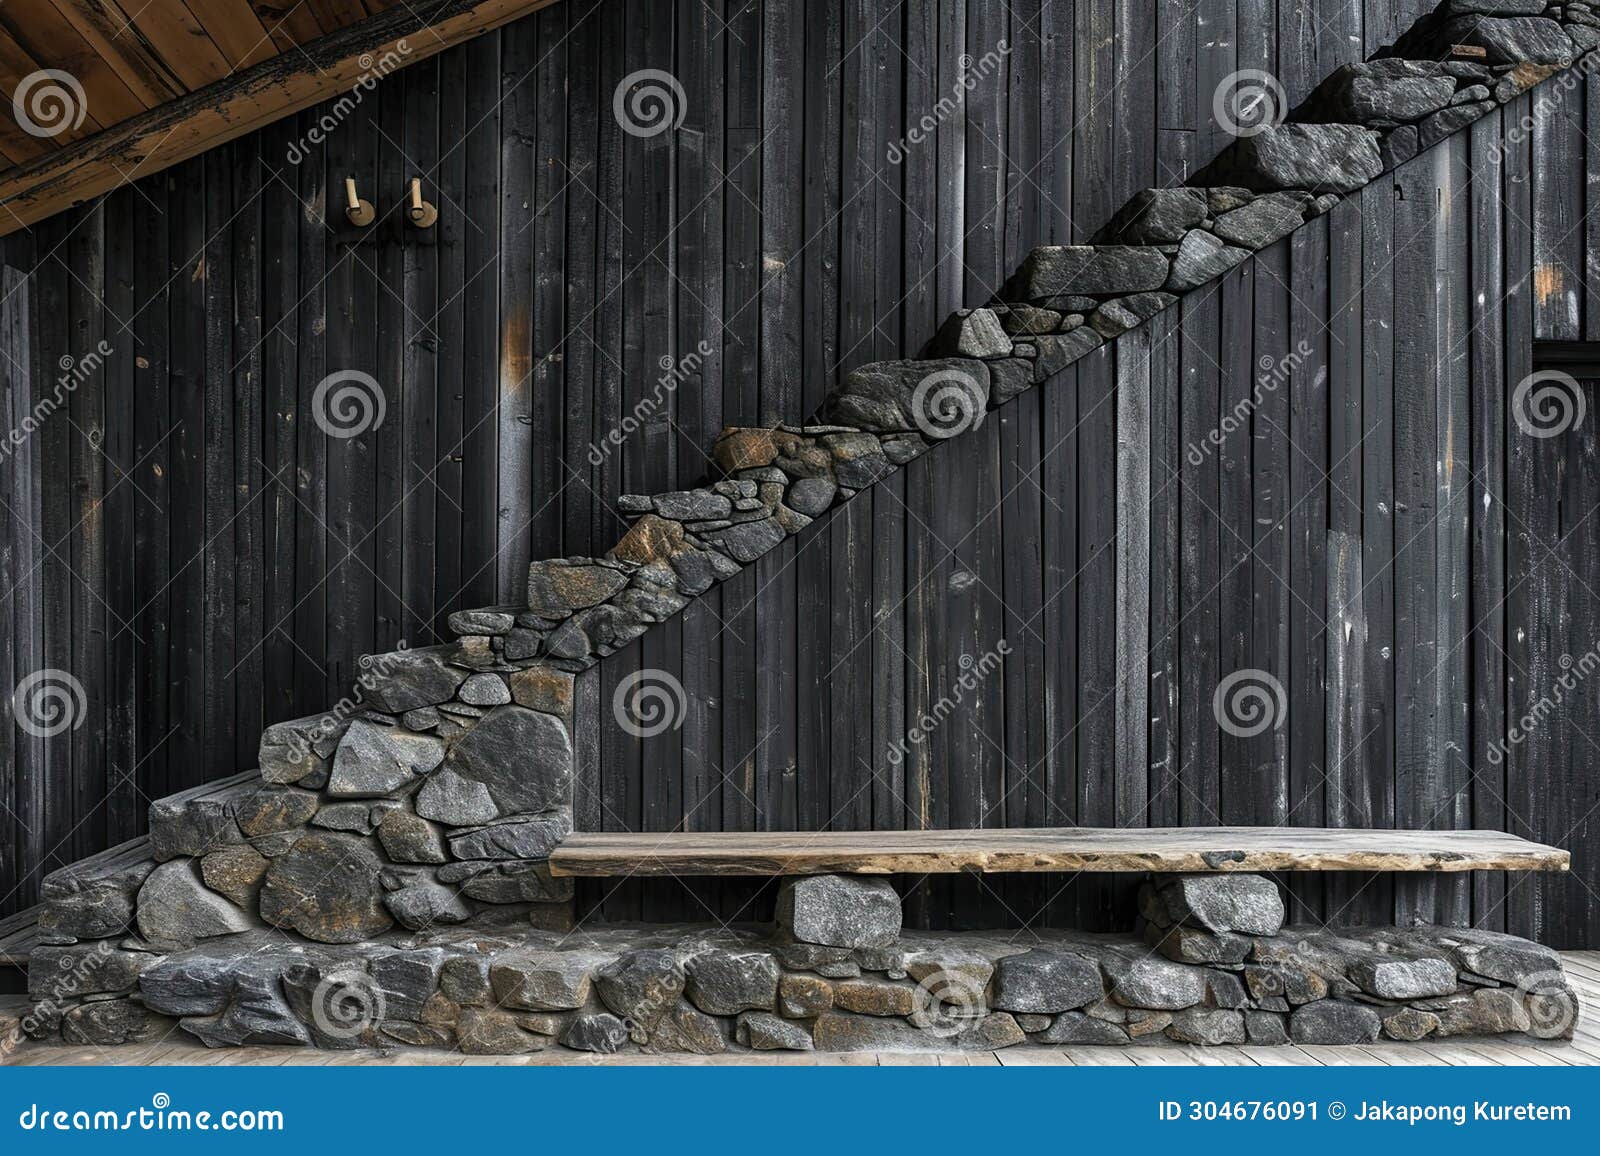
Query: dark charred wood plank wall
{"points": [[1373, 529]]}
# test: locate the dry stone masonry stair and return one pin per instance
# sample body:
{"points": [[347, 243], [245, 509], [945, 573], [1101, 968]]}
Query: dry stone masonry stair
{"points": [[382, 876]]}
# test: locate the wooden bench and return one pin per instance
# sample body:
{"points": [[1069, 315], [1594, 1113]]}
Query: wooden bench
{"points": [[1164, 849]]}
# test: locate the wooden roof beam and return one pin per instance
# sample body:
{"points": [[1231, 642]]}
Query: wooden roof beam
{"points": [[242, 103]]}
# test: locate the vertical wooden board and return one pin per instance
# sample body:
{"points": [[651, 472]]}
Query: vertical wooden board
{"points": [[1094, 194], [850, 602], [1135, 110], [1572, 792], [978, 761], [740, 742], [1452, 573], [50, 802], [1273, 596], [1347, 800], [1133, 558], [152, 450], [1166, 657], [1487, 500], [1557, 140], [1216, 58], [1418, 759], [1061, 561], [275, 474], [698, 311], [387, 260], [1374, 903], [587, 445], [1303, 374], [1026, 210], [1591, 193], [215, 558], [307, 486], [1235, 536], [444, 492], [517, 442], [86, 546], [238, 747], [417, 417], [19, 580], [927, 798], [1096, 611], [1529, 518], [551, 190], [186, 669], [1057, 119], [124, 807], [480, 313], [1207, 431]]}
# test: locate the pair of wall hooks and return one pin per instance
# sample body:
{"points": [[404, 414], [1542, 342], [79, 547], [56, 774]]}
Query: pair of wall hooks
{"points": [[360, 213]]}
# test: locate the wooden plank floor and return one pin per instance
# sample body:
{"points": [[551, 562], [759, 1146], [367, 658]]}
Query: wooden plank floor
{"points": [[1582, 966]]}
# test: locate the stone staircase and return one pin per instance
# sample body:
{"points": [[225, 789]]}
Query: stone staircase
{"points": [[392, 849]]}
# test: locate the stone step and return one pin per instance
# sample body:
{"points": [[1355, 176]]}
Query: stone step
{"points": [[837, 973]]}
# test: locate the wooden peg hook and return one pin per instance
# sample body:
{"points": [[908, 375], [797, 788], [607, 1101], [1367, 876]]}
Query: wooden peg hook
{"points": [[358, 212]]}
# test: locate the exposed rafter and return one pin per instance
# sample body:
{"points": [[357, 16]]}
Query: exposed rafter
{"points": [[248, 99]]}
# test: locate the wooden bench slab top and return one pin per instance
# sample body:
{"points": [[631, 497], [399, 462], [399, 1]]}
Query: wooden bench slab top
{"points": [[766, 853]]}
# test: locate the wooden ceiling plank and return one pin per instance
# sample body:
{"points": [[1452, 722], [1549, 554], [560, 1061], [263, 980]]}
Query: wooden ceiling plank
{"points": [[336, 14], [15, 65], [254, 97], [177, 36], [291, 22], [234, 28], [40, 29], [106, 29]]}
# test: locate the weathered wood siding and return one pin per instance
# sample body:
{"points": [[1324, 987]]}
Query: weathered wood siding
{"points": [[1378, 535]]}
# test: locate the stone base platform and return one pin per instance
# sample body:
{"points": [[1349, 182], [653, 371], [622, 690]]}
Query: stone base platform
{"points": [[1212, 964]]}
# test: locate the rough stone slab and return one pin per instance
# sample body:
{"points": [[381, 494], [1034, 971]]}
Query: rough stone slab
{"points": [[546, 980], [1058, 270], [725, 982], [1158, 849], [408, 679], [1222, 903], [1045, 981], [765, 1032], [95, 897], [1334, 1021], [1337, 158], [327, 888], [1156, 216], [523, 757], [889, 396], [527, 837], [839, 911], [176, 907], [373, 761]]}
